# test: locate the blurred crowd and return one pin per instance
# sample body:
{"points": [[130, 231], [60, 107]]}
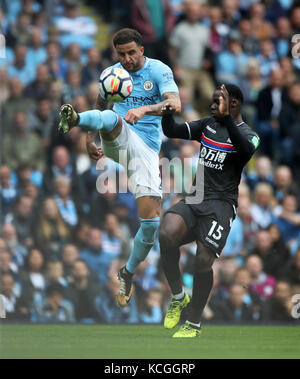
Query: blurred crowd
{"points": [[61, 242]]}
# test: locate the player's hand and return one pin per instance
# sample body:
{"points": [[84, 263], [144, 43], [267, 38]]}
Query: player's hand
{"points": [[224, 102], [168, 108], [134, 115], [94, 151]]}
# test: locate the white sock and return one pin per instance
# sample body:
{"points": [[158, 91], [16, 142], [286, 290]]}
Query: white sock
{"points": [[179, 296], [193, 324]]}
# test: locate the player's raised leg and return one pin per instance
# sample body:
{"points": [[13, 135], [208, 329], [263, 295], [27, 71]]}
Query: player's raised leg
{"points": [[172, 234], [106, 122], [149, 211]]}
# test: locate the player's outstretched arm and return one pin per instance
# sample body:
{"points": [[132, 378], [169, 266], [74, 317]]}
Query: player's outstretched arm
{"points": [[173, 130], [134, 115]]}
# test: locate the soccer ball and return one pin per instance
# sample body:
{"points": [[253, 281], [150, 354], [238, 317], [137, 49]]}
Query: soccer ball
{"points": [[115, 85]]}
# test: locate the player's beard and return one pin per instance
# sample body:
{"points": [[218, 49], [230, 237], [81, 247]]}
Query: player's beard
{"points": [[135, 66]]}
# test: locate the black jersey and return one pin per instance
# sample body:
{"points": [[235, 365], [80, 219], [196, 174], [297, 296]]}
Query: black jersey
{"points": [[225, 149]]}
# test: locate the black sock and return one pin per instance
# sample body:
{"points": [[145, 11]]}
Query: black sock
{"points": [[202, 285], [170, 262]]}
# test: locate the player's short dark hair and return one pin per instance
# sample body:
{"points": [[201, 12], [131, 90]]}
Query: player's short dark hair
{"points": [[127, 35], [234, 92]]}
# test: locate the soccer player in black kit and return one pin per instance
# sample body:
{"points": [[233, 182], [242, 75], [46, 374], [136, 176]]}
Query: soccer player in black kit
{"points": [[227, 144]]}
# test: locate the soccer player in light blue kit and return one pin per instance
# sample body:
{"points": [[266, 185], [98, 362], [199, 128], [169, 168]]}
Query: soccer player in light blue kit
{"points": [[133, 126]]}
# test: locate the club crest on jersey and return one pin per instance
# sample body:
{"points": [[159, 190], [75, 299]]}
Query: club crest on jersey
{"points": [[148, 85]]}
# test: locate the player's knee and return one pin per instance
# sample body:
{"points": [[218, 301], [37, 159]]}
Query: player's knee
{"points": [[204, 260], [148, 230], [166, 237]]}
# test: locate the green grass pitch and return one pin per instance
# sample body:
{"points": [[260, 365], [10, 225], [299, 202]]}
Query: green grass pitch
{"points": [[147, 341]]}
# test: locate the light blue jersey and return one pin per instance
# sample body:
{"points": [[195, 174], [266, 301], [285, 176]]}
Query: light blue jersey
{"points": [[149, 84]]}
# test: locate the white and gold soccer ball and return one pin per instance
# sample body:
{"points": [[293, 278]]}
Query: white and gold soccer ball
{"points": [[115, 85]]}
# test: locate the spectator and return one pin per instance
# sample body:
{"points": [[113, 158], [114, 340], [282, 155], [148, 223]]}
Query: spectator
{"points": [[19, 31], [151, 312], [190, 38], [262, 28], [15, 307], [20, 68], [8, 191], [66, 205], [75, 28], [41, 120], [54, 308], [262, 210], [33, 276], [295, 18], [226, 273], [23, 221], [97, 260], [261, 283], [61, 164], [69, 256], [93, 68], [55, 273], [279, 307], [26, 174], [232, 62], [73, 59], [243, 279], [268, 59], [16, 249], [56, 65], [231, 14], [22, 146], [274, 255], [262, 173], [218, 30], [4, 83], [283, 36], [234, 309], [17, 102], [250, 42], [51, 230], [72, 86], [82, 293], [251, 85], [8, 267], [289, 118], [37, 54], [154, 20], [40, 86], [249, 225], [283, 180], [269, 103], [288, 220], [292, 270]]}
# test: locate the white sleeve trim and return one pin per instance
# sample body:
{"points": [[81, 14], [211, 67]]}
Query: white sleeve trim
{"points": [[189, 130]]}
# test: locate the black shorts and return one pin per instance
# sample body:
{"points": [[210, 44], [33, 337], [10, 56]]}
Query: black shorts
{"points": [[210, 222]]}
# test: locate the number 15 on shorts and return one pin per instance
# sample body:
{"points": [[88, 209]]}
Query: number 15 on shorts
{"points": [[216, 231]]}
